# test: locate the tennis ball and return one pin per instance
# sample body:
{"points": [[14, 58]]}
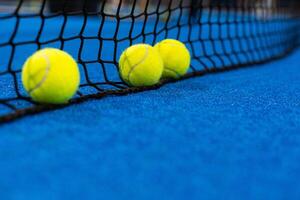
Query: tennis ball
{"points": [[176, 58], [50, 76], [141, 65]]}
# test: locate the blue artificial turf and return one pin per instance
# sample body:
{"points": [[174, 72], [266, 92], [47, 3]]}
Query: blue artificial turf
{"points": [[233, 135]]}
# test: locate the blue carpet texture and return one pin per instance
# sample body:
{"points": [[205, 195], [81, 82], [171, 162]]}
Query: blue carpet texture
{"points": [[233, 135]]}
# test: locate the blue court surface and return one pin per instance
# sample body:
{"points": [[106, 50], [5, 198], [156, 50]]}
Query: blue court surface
{"points": [[233, 135]]}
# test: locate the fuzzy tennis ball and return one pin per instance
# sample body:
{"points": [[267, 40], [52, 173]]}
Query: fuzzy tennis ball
{"points": [[51, 76], [176, 58], [141, 65]]}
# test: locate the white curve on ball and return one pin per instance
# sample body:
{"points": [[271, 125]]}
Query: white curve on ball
{"points": [[174, 71], [132, 68], [44, 77], [167, 68]]}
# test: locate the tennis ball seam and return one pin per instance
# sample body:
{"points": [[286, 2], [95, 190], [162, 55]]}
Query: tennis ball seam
{"points": [[51, 76], [47, 71], [122, 66], [132, 68], [166, 48], [174, 71], [166, 68]]}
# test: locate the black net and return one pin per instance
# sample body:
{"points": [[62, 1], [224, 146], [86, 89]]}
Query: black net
{"points": [[220, 34]]}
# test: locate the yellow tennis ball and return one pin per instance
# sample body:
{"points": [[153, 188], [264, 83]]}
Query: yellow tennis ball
{"points": [[51, 76], [141, 65], [176, 58]]}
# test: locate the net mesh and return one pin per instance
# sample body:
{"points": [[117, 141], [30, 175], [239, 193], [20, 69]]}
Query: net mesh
{"points": [[220, 34]]}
